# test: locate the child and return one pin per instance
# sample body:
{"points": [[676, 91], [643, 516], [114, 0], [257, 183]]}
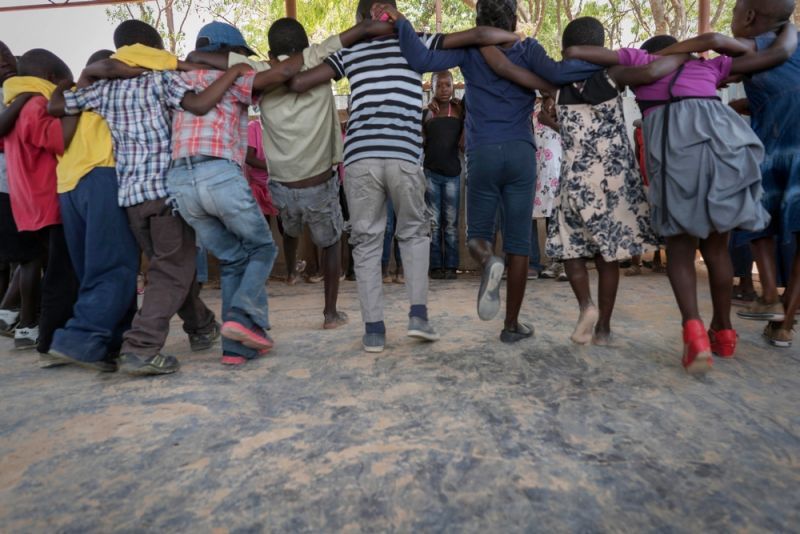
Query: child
{"points": [[443, 131], [382, 152], [390, 242], [20, 300], [213, 196], [500, 152], [774, 106], [257, 171], [102, 248], [138, 112], [302, 144], [685, 125], [601, 211], [31, 149]]}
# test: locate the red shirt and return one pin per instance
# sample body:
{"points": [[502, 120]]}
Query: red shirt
{"points": [[31, 150]]}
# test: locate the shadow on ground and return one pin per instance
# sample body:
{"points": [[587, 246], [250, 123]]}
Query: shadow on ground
{"points": [[462, 435]]}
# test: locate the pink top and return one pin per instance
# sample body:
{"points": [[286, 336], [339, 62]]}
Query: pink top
{"points": [[700, 77], [259, 178]]}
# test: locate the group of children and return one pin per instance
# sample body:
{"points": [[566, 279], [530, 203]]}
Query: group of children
{"points": [[145, 154]]}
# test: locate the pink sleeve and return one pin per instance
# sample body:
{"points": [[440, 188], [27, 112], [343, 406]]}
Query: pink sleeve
{"points": [[633, 57], [253, 129], [722, 64]]}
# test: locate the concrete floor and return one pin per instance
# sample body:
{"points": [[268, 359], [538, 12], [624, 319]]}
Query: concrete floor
{"points": [[462, 435]]}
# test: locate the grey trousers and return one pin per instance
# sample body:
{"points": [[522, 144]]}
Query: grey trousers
{"points": [[367, 184]]}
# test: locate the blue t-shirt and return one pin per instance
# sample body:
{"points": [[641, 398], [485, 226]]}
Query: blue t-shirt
{"points": [[497, 110], [774, 97]]}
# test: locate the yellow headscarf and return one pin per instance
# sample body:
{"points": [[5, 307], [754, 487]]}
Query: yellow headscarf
{"points": [[16, 85]]}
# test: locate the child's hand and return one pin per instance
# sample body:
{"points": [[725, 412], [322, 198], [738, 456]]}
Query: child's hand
{"points": [[386, 12], [375, 28], [242, 69]]}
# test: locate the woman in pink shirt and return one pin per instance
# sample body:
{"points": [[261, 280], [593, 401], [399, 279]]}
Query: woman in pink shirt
{"points": [[703, 165]]}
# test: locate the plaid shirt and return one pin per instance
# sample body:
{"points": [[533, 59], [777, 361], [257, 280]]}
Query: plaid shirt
{"points": [[222, 132], [138, 113]]}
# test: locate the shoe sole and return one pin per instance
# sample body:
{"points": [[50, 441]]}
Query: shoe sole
{"points": [[149, 370], [771, 317], [489, 298], [250, 340], [92, 366], [703, 363], [779, 344], [25, 347], [425, 336], [48, 362], [233, 361], [373, 350]]}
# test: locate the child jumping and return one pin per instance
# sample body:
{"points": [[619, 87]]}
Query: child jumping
{"points": [[703, 166]]}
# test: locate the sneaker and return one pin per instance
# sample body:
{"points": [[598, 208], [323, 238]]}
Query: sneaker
{"points": [[533, 274], [254, 338], [551, 271], [26, 338], [199, 342], [489, 292], [233, 360], [374, 342], [634, 270], [437, 274], [523, 331], [8, 320], [761, 311], [421, 329], [451, 274], [331, 323], [777, 336], [562, 277], [57, 356], [48, 362], [160, 364]]}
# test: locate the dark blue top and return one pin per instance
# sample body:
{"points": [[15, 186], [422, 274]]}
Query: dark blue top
{"points": [[497, 110], [774, 97]]}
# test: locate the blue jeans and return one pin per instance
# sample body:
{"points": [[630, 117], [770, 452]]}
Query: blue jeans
{"points": [[202, 264], [214, 199], [444, 195], [504, 175], [388, 239], [106, 259]]}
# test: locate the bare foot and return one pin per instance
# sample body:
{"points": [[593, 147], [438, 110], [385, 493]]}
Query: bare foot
{"points": [[602, 339], [335, 321], [291, 280], [583, 330]]}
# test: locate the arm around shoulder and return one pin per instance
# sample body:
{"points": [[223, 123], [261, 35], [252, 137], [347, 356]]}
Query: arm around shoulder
{"points": [[504, 68], [781, 50], [307, 80]]}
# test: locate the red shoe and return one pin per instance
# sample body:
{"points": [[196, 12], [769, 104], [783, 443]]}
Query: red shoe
{"points": [[723, 343], [696, 348], [254, 338], [233, 360]]}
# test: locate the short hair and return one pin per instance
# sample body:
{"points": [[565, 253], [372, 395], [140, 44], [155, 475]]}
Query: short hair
{"points": [[775, 10], [497, 13], [658, 43], [364, 9], [100, 55], [287, 36], [584, 31], [43, 63], [436, 75], [133, 32]]}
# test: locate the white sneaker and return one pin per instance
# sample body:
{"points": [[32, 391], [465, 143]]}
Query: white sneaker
{"points": [[26, 338], [8, 320]]}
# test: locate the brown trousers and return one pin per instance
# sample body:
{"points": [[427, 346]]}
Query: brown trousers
{"points": [[169, 244]]}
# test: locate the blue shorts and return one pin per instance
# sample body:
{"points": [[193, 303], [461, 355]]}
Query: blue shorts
{"points": [[780, 178], [501, 176]]}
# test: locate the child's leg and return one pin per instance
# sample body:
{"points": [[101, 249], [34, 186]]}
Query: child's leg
{"points": [[5, 277], [30, 281], [435, 200], [11, 297], [720, 278], [764, 253], [608, 284], [59, 287], [792, 295], [579, 281], [682, 275]]}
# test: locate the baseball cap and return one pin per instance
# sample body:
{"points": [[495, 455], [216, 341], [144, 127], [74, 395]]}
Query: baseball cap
{"points": [[219, 35]]}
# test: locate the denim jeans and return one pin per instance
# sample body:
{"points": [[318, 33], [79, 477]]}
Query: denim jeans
{"points": [[504, 175], [214, 198], [444, 196], [202, 264], [106, 259]]}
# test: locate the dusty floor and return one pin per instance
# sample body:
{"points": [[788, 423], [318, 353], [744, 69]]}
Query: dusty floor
{"points": [[462, 435]]}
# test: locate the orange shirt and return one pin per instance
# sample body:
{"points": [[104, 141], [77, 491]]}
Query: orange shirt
{"points": [[31, 149]]}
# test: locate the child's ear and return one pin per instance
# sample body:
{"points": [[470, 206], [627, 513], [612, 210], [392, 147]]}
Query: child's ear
{"points": [[750, 17]]}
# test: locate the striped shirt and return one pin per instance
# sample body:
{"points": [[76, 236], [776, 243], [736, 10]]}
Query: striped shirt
{"points": [[385, 101], [138, 112]]}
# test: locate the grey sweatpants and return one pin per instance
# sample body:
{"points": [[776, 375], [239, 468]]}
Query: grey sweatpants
{"points": [[367, 184]]}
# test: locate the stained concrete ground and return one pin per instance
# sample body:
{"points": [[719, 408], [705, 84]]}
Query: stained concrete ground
{"points": [[462, 435]]}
